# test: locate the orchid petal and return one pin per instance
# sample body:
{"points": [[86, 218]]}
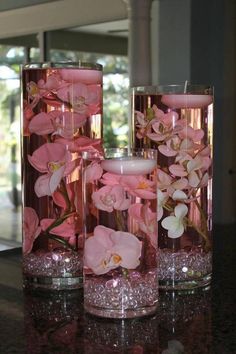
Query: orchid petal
{"points": [[181, 210], [178, 170], [41, 186], [179, 195], [55, 179]]}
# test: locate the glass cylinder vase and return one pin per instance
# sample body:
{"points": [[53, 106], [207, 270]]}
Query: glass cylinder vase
{"points": [[61, 116], [120, 263], [177, 120]]}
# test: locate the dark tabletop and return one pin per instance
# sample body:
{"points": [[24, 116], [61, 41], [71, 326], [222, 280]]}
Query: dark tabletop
{"points": [[54, 322]]}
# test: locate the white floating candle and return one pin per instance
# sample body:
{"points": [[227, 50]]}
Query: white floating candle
{"points": [[186, 100], [84, 76], [129, 166]]}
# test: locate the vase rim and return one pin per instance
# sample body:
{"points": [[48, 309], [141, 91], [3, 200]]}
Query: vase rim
{"points": [[62, 65], [175, 88]]}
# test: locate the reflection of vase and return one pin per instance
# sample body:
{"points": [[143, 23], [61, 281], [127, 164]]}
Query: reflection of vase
{"points": [[120, 263], [177, 120], [185, 322], [52, 322], [121, 336], [61, 116]]}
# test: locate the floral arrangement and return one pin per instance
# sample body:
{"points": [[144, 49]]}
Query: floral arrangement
{"points": [[127, 206], [183, 171], [57, 111]]}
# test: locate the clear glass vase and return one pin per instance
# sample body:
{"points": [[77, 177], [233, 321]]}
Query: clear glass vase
{"points": [[61, 116], [178, 121], [120, 252]]}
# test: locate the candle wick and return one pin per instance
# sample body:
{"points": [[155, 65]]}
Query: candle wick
{"points": [[185, 86]]}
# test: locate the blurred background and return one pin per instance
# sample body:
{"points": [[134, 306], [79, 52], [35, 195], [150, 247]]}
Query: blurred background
{"points": [[138, 42]]}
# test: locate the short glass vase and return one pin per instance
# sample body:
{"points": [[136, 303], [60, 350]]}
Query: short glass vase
{"points": [[120, 251]]}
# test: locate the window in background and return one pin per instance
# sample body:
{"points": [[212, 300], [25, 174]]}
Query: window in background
{"points": [[115, 123], [10, 146]]}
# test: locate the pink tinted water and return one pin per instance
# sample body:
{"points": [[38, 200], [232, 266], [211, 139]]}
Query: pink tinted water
{"points": [[121, 292], [197, 111], [73, 99]]}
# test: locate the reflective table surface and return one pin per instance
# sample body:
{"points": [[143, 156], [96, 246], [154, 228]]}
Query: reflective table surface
{"points": [[55, 322]]}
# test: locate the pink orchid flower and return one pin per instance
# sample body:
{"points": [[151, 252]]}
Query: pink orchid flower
{"points": [[109, 198], [52, 83], [178, 170], [55, 162], [110, 179], [31, 228], [143, 125], [44, 90], [166, 182], [109, 249], [166, 127], [139, 186], [82, 98], [190, 133], [93, 172], [175, 146], [56, 122], [195, 167], [175, 223], [146, 220]]}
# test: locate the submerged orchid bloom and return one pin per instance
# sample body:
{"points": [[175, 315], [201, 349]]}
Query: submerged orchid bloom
{"points": [[175, 223], [52, 83], [93, 172], [110, 179], [31, 228], [143, 125], [109, 249], [109, 198], [139, 186], [167, 126], [190, 133], [176, 146], [83, 98], [146, 220], [166, 182], [55, 162], [65, 124]]}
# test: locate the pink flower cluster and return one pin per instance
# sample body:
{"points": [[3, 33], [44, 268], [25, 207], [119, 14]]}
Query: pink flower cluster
{"points": [[186, 171], [108, 249], [71, 97]]}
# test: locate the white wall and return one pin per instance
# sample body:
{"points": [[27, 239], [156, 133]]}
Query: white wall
{"points": [[171, 41], [195, 40]]}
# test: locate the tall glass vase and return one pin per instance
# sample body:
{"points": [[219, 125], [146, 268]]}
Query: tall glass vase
{"points": [[61, 116], [178, 121]]}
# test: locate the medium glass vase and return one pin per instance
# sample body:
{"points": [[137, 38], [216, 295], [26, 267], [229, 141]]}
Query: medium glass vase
{"points": [[61, 116], [120, 252], [178, 122]]}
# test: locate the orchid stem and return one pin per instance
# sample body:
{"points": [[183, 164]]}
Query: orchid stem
{"points": [[61, 240]]}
